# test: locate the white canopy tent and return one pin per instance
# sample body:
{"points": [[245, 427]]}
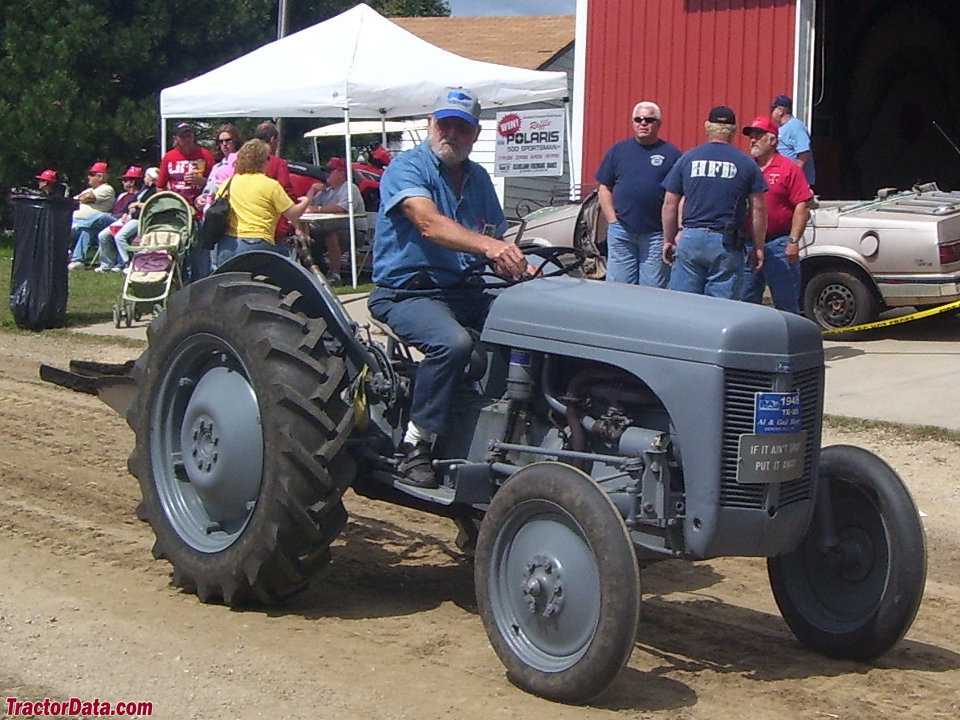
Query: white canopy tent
{"points": [[357, 64]]}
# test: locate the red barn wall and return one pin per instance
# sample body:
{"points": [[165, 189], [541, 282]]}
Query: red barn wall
{"points": [[687, 56]]}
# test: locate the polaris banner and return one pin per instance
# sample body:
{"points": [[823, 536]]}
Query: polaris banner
{"points": [[529, 143]]}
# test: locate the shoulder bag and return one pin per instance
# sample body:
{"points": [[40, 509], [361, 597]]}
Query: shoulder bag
{"points": [[214, 225]]}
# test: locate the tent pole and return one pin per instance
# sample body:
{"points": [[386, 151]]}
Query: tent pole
{"points": [[568, 118], [352, 200]]}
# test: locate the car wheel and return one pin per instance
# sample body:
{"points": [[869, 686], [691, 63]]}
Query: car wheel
{"points": [[839, 299]]}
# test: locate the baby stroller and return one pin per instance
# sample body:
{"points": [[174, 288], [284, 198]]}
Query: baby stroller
{"points": [[155, 270]]}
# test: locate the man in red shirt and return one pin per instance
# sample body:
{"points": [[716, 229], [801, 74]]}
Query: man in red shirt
{"points": [[277, 169], [788, 209], [185, 168]]}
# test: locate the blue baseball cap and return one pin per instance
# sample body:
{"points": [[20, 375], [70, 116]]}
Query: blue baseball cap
{"points": [[457, 102], [782, 101]]}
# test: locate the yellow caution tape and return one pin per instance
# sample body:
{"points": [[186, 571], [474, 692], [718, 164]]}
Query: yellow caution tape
{"points": [[895, 321]]}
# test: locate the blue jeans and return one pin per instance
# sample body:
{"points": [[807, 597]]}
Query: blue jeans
{"points": [[782, 277], [636, 258], [115, 249], [229, 245], [83, 233], [704, 265], [434, 322]]}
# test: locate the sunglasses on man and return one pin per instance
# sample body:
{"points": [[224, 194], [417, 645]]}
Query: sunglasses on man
{"points": [[646, 120]]}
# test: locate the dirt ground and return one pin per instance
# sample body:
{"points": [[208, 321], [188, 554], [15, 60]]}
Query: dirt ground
{"points": [[391, 629]]}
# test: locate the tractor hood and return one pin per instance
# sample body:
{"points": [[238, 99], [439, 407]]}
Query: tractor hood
{"points": [[582, 318]]}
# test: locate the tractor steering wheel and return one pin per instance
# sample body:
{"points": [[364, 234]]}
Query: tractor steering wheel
{"points": [[548, 254]]}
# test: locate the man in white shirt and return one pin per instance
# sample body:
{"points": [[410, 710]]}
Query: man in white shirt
{"points": [[95, 201]]}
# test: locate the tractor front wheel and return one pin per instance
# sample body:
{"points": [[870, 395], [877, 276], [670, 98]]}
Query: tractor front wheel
{"points": [[557, 583], [857, 598]]}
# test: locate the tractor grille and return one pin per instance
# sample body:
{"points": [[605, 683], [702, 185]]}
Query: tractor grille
{"points": [[740, 385]]}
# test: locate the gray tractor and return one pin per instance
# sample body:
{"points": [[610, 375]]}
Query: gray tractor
{"points": [[600, 427]]}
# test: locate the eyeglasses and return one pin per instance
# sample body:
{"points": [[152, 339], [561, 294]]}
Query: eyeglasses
{"points": [[221, 141], [646, 120]]}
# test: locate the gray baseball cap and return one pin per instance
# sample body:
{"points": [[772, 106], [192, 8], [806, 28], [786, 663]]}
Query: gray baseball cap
{"points": [[457, 102]]}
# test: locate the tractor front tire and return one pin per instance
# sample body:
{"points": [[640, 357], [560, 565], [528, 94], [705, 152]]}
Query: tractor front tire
{"points": [[855, 600], [240, 422], [557, 583]]}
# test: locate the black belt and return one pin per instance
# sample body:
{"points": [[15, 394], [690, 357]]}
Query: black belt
{"points": [[422, 281]]}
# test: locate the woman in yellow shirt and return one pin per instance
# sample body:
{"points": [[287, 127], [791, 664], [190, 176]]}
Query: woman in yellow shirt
{"points": [[256, 203]]}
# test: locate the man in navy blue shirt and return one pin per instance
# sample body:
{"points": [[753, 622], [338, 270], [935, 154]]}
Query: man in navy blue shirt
{"points": [[718, 184], [438, 213], [631, 197]]}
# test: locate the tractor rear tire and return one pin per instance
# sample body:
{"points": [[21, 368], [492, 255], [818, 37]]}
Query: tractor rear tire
{"points": [[857, 600], [240, 421], [557, 583]]}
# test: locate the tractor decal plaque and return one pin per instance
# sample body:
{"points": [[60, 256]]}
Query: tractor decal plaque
{"points": [[776, 413], [775, 451]]}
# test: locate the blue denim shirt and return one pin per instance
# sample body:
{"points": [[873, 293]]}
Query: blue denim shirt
{"points": [[400, 251]]}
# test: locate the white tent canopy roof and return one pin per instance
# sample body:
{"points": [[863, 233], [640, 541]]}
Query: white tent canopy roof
{"points": [[357, 62]]}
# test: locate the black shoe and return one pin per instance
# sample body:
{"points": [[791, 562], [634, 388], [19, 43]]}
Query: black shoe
{"points": [[415, 467]]}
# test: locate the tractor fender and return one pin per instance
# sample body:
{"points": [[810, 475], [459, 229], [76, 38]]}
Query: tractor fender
{"points": [[316, 298]]}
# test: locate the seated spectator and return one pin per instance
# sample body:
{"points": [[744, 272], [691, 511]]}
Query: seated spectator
{"points": [[95, 202], [47, 183], [115, 243], [131, 180], [256, 202], [336, 197]]}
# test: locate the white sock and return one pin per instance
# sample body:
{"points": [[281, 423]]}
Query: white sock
{"points": [[415, 434]]}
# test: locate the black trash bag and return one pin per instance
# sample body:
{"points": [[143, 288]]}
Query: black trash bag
{"points": [[41, 242]]}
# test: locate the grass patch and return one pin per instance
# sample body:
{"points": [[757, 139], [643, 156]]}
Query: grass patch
{"points": [[91, 295], [915, 433]]}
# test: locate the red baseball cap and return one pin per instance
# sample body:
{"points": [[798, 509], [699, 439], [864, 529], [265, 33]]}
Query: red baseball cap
{"points": [[98, 167], [382, 155], [48, 175], [132, 172], [762, 123], [336, 163]]}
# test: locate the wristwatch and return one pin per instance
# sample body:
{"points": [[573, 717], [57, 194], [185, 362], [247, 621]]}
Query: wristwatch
{"points": [[793, 241]]}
